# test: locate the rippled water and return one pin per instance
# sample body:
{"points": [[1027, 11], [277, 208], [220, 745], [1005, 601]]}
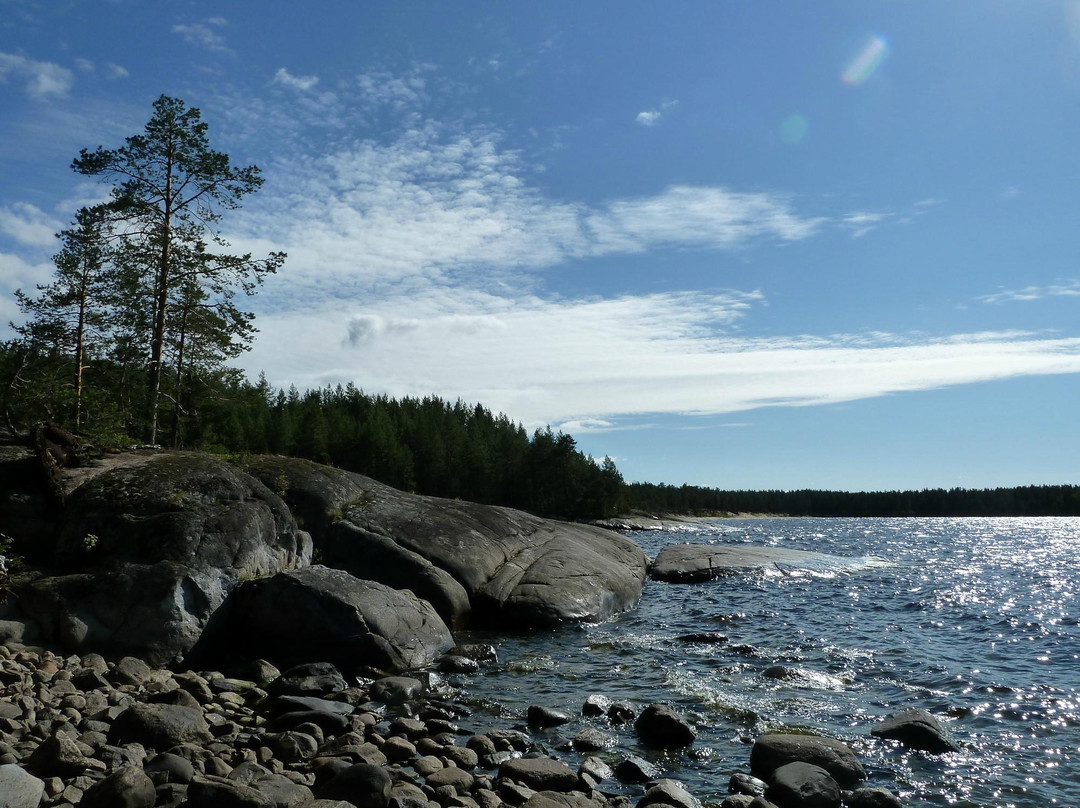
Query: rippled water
{"points": [[975, 620]]}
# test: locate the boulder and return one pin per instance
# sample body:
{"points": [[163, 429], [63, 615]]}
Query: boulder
{"points": [[210, 791], [916, 729], [662, 727], [515, 568], [694, 563], [633, 769], [540, 716], [668, 792], [19, 788], [803, 785], [308, 681], [362, 785], [158, 546], [127, 787], [770, 752], [872, 798], [322, 613]]}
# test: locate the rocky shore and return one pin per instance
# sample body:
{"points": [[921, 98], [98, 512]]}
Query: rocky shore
{"points": [[170, 642]]}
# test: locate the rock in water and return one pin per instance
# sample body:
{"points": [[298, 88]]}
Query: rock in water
{"points": [[515, 568], [916, 729], [662, 727], [803, 785], [322, 613], [770, 752], [694, 563]]}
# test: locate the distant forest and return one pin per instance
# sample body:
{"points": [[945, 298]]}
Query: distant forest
{"points": [[435, 447]]}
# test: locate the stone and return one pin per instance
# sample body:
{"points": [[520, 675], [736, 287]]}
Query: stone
{"points": [[460, 779], [57, 756], [160, 726], [283, 791], [514, 568], [129, 671], [451, 663], [19, 788], [554, 799], [591, 740], [461, 757], [741, 783], [540, 774], [360, 784], [872, 798], [770, 752], [668, 792], [127, 787], [803, 785], [308, 679], [595, 769], [208, 791], [620, 713], [694, 563], [660, 726], [633, 769], [169, 768], [595, 705], [539, 716], [325, 614], [394, 690], [916, 729]]}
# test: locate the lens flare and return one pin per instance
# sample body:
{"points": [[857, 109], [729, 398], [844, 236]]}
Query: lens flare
{"points": [[867, 62], [794, 128]]}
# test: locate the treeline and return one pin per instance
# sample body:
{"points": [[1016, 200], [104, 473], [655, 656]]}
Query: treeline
{"points": [[426, 445], [1044, 500]]}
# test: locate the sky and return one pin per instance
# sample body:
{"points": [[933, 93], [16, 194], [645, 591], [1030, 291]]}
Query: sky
{"points": [[736, 244]]}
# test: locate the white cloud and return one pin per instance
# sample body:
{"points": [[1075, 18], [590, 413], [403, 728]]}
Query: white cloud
{"points": [[287, 79], [1068, 288], [202, 34], [16, 273], [43, 80], [85, 65], [597, 362], [28, 225], [408, 91], [651, 117], [116, 71]]}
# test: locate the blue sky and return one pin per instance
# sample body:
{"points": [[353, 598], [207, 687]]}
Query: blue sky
{"points": [[742, 244]]}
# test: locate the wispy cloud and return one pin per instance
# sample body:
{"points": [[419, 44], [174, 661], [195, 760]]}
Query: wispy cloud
{"points": [[115, 71], [1068, 288], [28, 225], [42, 80], [862, 222], [287, 79], [204, 34]]}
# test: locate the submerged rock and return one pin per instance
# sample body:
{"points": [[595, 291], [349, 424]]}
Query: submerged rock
{"points": [[694, 563]]}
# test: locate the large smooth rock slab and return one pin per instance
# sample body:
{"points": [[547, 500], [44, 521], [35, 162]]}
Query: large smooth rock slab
{"points": [[19, 788], [515, 568], [326, 614], [694, 563]]}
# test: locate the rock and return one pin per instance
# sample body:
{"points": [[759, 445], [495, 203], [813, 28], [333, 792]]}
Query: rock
{"points": [[127, 787], [694, 563], [158, 546], [591, 740], [461, 757], [326, 614], [539, 716], [595, 705], [553, 799], [738, 801], [208, 791], [282, 791], [19, 788], [803, 785], [596, 770], [703, 637], [620, 713], [451, 663], [660, 726], [129, 671], [668, 792], [308, 679], [916, 729], [57, 756], [770, 752], [746, 784], [515, 568], [160, 726], [479, 652], [872, 798], [460, 779], [540, 774], [395, 690], [169, 768], [632, 769], [362, 785]]}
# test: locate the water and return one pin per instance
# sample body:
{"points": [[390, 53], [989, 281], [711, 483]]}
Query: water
{"points": [[975, 620]]}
